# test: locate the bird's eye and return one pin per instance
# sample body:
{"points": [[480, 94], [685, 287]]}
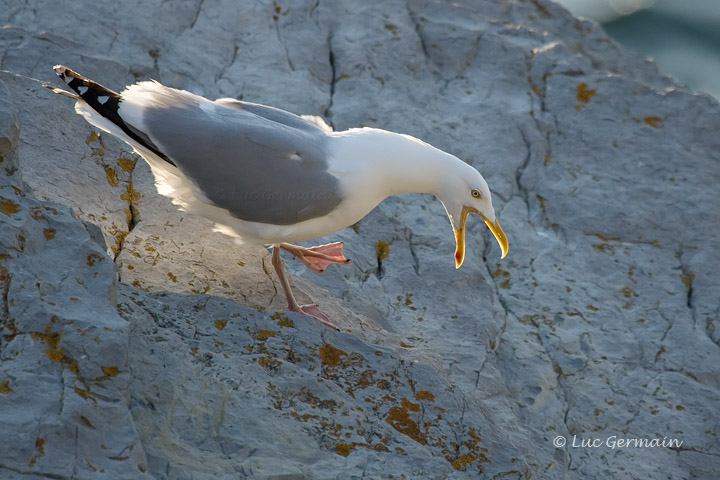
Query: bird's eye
{"points": [[475, 193]]}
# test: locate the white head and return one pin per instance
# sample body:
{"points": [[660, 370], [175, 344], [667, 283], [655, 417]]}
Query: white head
{"points": [[464, 191], [409, 165]]}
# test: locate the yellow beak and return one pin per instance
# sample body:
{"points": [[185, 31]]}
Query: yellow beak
{"points": [[495, 228]]}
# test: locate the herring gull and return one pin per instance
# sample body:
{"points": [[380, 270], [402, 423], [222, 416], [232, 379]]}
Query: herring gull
{"points": [[269, 177]]}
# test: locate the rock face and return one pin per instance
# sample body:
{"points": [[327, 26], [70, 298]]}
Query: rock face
{"points": [[136, 343]]}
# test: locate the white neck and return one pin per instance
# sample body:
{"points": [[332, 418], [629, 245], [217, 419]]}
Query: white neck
{"points": [[385, 163]]}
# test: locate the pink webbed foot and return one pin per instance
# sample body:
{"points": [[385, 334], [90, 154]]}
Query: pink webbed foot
{"points": [[318, 258], [310, 310], [313, 311]]}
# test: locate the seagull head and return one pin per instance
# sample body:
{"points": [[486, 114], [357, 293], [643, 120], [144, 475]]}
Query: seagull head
{"points": [[465, 192]]}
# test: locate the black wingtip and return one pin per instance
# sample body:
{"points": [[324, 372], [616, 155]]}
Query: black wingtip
{"points": [[87, 89], [105, 102]]}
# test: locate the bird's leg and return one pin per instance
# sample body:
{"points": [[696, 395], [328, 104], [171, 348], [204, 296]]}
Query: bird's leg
{"points": [[317, 258], [293, 306]]}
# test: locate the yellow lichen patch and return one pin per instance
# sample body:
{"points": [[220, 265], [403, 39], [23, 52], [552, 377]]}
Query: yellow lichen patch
{"points": [[205, 289], [126, 164], [54, 355], [407, 404], [39, 451], [475, 437], [119, 238], [504, 275], [52, 340], [82, 392], [8, 207], [5, 387], [541, 201], [93, 258], [220, 323], [425, 395], [408, 299], [627, 292], [399, 418], [592, 308], [654, 121], [382, 249], [264, 334], [391, 28], [500, 273], [131, 195], [606, 238], [603, 248], [330, 355], [406, 345], [344, 449], [269, 362], [584, 93], [172, 277], [462, 461], [548, 157], [110, 371], [282, 321], [49, 233], [11, 325], [687, 279], [94, 136], [111, 176]]}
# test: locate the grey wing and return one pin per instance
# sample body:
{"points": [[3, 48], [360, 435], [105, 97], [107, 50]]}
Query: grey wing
{"points": [[302, 122], [269, 168]]}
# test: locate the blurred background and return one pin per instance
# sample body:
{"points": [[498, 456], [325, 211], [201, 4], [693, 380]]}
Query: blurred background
{"points": [[683, 36]]}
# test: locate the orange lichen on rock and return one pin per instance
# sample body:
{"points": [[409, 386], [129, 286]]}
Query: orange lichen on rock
{"points": [[399, 418], [462, 461], [127, 164], [5, 387], [264, 334], [52, 340], [39, 451], [330, 355], [8, 207], [654, 121], [425, 395], [382, 249], [111, 176], [584, 94], [344, 449]]}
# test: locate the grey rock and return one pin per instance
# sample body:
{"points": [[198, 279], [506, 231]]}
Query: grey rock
{"points": [[137, 343], [64, 372]]}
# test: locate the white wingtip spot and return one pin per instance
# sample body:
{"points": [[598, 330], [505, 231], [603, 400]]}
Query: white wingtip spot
{"points": [[82, 89], [62, 73], [102, 99]]}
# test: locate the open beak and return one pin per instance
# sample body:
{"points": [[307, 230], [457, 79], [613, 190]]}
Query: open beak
{"points": [[495, 228]]}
